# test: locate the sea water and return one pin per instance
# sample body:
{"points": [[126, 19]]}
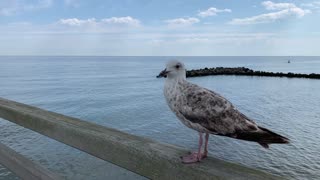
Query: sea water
{"points": [[124, 93]]}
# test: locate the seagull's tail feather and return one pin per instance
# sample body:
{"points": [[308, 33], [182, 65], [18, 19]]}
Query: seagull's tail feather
{"points": [[264, 137], [270, 137]]}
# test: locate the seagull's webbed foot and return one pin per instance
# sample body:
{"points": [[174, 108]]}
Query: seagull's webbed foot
{"points": [[197, 156], [193, 157]]}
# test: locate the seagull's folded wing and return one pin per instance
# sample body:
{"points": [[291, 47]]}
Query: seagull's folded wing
{"points": [[213, 112]]}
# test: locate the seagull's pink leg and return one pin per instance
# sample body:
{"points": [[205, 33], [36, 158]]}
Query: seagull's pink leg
{"points": [[205, 154], [199, 148], [196, 156]]}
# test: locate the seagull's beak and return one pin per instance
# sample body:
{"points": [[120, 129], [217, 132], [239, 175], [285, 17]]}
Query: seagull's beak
{"points": [[163, 73]]}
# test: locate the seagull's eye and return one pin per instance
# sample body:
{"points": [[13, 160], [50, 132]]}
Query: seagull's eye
{"points": [[177, 66]]}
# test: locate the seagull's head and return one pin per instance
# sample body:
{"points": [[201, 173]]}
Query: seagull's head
{"points": [[174, 70]]}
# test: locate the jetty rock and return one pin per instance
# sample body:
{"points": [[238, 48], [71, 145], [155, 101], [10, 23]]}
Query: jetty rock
{"points": [[243, 71]]}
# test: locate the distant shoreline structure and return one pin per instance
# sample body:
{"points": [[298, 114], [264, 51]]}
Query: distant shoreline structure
{"points": [[243, 71]]}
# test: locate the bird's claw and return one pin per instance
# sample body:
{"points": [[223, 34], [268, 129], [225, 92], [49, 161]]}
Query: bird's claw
{"points": [[193, 157]]}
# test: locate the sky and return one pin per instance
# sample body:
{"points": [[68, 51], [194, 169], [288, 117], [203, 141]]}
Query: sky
{"points": [[160, 28]]}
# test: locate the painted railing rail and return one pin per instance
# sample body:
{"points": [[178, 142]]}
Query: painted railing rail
{"points": [[143, 156]]}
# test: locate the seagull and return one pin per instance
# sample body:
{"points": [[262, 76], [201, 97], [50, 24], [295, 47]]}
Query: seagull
{"points": [[208, 112]]}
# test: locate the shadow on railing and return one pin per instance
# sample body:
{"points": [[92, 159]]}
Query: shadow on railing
{"points": [[143, 156]]}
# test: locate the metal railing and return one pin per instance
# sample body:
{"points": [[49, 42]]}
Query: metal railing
{"points": [[140, 155]]}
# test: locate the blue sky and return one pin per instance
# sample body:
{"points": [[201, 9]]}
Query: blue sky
{"points": [[160, 28]]}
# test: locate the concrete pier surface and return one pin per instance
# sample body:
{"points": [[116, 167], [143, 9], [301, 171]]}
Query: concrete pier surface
{"points": [[146, 157]]}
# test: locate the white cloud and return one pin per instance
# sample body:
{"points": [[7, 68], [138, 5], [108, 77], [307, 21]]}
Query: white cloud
{"points": [[269, 5], [270, 17], [56, 39], [212, 11], [312, 5], [77, 22], [285, 10], [91, 22], [122, 21], [9, 8], [182, 22]]}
